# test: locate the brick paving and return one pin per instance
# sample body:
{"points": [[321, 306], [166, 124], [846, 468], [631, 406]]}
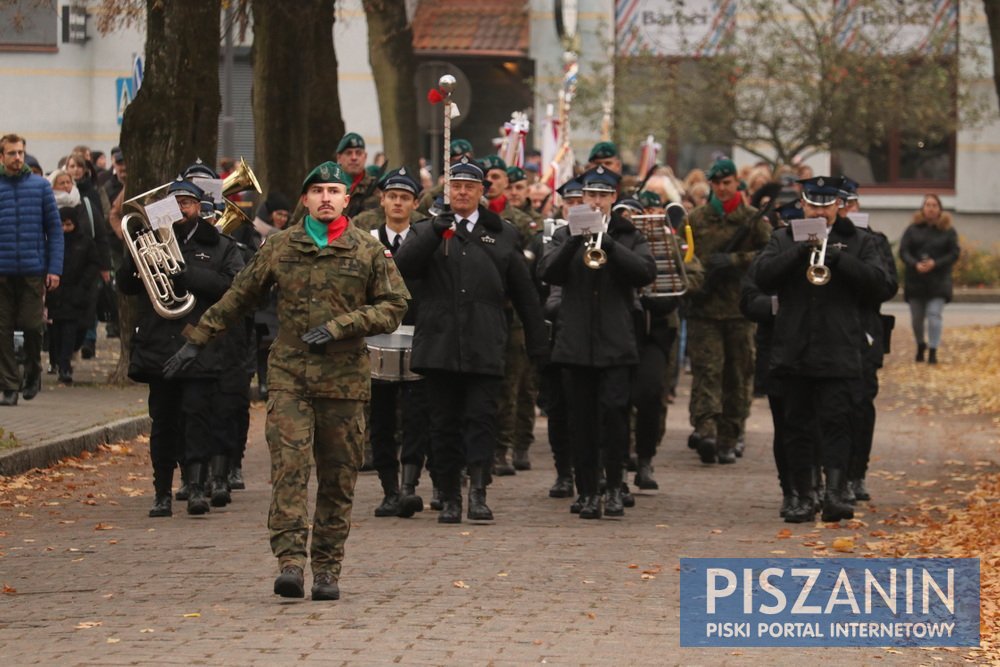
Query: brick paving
{"points": [[537, 586]]}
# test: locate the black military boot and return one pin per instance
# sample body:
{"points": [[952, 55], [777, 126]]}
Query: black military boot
{"points": [[390, 489], [725, 452], [921, 349], [706, 450], [741, 445], [451, 498], [437, 500], [220, 481], [563, 488], [521, 460], [860, 490], [788, 501], [644, 475], [693, 440], [183, 491], [478, 510], [290, 583], [163, 478], [835, 507], [931, 359], [590, 507], [325, 587], [501, 467], [409, 502], [197, 502], [236, 482], [614, 504], [848, 493], [577, 505], [803, 509]]}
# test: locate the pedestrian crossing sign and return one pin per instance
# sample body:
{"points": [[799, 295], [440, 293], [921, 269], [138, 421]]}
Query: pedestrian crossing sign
{"points": [[123, 95]]}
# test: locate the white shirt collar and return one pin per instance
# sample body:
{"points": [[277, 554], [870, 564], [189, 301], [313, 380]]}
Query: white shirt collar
{"points": [[470, 219], [391, 235]]}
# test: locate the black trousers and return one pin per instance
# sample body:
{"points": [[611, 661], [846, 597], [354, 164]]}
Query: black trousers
{"points": [[648, 387], [62, 343], [779, 445], [183, 413], [463, 422], [552, 399], [863, 422], [818, 415], [407, 400], [598, 421], [233, 422]]}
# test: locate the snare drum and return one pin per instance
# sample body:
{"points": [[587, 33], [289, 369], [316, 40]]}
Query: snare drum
{"points": [[390, 355]]}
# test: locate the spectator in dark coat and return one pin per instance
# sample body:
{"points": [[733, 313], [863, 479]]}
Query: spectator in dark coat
{"points": [[929, 250], [69, 304]]}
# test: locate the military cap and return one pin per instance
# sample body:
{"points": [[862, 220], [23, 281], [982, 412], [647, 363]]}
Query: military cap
{"points": [[628, 204], [437, 208], [515, 174], [467, 170], [328, 172], [822, 190], [184, 188], [603, 149], [722, 168], [790, 211], [399, 179], [650, 199], [199, 170], [571, 188], [600, 179], [494, 161], [350, 140], [461, 147], [850, 187]]}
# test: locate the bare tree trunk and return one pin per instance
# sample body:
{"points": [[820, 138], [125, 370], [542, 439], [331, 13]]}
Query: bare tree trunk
{"points": [[296, 104], [390, 53], [993, 18], [174, 117]]}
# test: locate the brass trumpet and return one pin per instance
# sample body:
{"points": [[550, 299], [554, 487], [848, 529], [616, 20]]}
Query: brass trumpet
{"points": [[593, 256], [818, 273]]}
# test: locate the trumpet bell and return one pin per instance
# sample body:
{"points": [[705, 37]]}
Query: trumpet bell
{"points": [[595, 258], [818, 274]]}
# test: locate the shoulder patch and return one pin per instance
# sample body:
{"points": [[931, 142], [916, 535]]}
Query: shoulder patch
{"points": [[387, 253]]}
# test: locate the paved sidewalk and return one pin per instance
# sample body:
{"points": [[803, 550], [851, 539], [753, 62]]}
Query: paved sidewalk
{"points": [[92, 580]]}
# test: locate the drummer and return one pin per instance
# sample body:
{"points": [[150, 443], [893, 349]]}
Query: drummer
{"points": [[400, 195]]}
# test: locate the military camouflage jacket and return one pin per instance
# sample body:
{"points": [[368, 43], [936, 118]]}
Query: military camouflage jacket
{"points": [[364, 196], [719, 296], [352, 286]]}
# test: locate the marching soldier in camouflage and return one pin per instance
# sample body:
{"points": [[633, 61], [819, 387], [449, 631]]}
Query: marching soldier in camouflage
{"points": [[517, 195], [337, 284], [727, 236], [496, 174], [352, 156]]}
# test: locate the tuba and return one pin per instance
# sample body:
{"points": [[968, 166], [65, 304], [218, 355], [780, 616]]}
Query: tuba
{"points": [[671, 277]]}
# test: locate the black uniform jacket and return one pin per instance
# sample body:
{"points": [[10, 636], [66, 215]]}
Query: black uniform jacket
{"points": [[818, 330], [874, 322], [461, 321], [211, 261], [412, 284], [596, 326]]}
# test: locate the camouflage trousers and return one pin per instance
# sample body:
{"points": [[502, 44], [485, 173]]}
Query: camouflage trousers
{"points": [[299, 431], [516, 414], [722, 363]]}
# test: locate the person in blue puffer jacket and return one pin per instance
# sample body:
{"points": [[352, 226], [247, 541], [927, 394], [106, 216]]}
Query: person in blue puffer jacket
{"points": [[31, 261]]}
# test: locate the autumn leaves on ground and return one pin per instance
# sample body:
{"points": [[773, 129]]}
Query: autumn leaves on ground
{"points": [[956, 526]]}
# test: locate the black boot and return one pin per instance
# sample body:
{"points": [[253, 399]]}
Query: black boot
{"points": [[590, 507], [220, 481], [521, 460], [706, 450], [478, 510], [183, 491], [236, 482], [163, 478], [849, 496], [197, 503], [501, 467], [614, 505], [788, 501], [437, 500], [835, 507], [409, 502], [628, 500], [693, 440], [803, 509], [290, 583], [451, 498], [644, 475], [726, 452], [390, 489], [921, 348], [563, 488], [577, 505], [860, 490], [931, 357]]}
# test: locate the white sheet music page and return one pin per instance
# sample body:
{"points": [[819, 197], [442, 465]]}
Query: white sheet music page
{"points": [[585, 220], [810, 230], [163, 213]]}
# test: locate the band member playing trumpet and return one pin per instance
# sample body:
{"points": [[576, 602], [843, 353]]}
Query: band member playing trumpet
{"points": [[817, 342], [595, 338], [182, 408]]}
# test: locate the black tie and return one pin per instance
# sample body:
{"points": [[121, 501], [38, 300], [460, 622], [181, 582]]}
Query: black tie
{"points": [[395, 243], [461, 228]]}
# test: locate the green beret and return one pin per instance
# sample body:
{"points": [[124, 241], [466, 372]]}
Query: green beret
{"points": [[461, 147], [515, 174], [328, 172], [350, 140], [603, 149], [721, 169], [650, 199], [493, 162]]}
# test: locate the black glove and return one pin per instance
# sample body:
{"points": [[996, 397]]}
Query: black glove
{"points": [[179, 281], [183, 358], [718, 261], [607, 243], [317, 335], [442, 222], [832, 255]]}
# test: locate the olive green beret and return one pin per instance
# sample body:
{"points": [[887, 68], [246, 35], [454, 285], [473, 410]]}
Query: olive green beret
{"points": [[603, 149], [350, 140], [328, 172], [515, 174]]}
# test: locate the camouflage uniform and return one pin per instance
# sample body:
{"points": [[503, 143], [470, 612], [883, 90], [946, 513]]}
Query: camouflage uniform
{"points": [[375, 218], [364, 196], [720, 339], [427, 199], [317, 393]]}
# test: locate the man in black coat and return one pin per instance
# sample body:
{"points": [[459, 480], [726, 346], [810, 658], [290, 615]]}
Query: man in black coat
{"points": [[182, 409], [470, 264], [817, 343], [595, 338]]}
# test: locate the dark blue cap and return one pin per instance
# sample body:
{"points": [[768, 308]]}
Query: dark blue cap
{"points": [[790, 211], [438, 206], [399, 179], [628, 204], [467, 170], [183, 188], [571, 188], [822, 190], [850, 186], [600, 179], [199, 170]]}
